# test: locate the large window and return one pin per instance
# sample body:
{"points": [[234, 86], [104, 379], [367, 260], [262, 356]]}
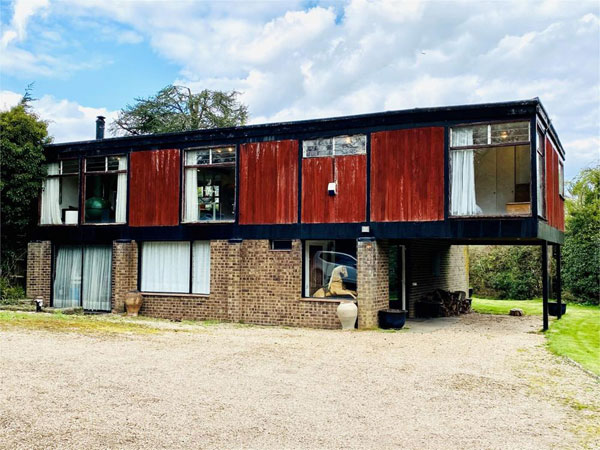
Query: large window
{"points": [[209, 186], [541, 173], [82, 277], [335, 146], [176, 267], [490, 170], [106, 189], [330, 269], [60, 193]]}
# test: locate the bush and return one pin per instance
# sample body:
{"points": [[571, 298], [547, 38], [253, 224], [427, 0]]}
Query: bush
{"points": [[9, 294], [506, 271]]}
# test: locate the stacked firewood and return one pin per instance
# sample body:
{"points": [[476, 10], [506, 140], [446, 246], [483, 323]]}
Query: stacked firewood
{"points": [[443, 303]]}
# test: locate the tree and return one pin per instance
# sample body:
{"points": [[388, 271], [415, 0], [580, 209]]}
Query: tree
{"points": [[22, 137], [581, 251], [176, 108]]}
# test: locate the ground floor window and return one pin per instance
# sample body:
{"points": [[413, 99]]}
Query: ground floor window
{"points": [[330, 268], [82, 277], [176, 267]]}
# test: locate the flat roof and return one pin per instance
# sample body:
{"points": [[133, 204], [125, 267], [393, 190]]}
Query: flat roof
{"points": [[416, 116]]}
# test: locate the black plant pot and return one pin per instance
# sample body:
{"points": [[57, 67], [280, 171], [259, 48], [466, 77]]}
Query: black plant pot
{"points": [[392, 319], [553, 308]]}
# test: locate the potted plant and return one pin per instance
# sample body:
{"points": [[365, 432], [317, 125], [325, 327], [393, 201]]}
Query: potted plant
{"points": [[553, 308], [392, 318], [133, 302]]}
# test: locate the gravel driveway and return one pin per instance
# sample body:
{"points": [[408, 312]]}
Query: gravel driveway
{"points": [[479, 382]]}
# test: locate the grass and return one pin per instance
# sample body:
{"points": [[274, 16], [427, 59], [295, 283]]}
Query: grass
{"points": [[76, 323], [576, 335]]}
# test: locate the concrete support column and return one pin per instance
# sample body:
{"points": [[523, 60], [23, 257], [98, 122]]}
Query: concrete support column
{"points": [[124, 272], [39, 270], [373, 280]]}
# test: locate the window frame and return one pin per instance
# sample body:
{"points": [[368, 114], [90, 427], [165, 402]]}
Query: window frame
{"points": [[330, 245], [185, 167], [62, 175], [540, 152], [286, 249], [191, 271], [333, 139], [561, 179], [85, 173], [488, 145]]}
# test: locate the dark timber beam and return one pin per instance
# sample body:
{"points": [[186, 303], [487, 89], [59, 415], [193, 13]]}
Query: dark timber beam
{"points": [[558, 282], [545, 283]]}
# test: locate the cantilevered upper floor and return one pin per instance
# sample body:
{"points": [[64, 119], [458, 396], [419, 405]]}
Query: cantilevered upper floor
{"points": [[489, 172]]}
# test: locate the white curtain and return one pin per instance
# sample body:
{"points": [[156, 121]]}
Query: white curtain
{"points": [[201, 267], [166, 267], [121, 203], [51, 198], [462, 179], [191, 189], [461, 137], [67, 281], [96, 278]]}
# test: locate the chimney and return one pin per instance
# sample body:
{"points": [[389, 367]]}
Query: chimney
{"points": [[100, 127]]}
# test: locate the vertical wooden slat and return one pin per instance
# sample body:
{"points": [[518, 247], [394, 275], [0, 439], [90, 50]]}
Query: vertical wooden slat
{"points": [[269, 182], [154, 190], [407, 175]]}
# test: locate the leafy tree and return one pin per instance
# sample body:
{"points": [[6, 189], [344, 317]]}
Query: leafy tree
{"points": [[176, 108], [22, 137], [581, 251]]}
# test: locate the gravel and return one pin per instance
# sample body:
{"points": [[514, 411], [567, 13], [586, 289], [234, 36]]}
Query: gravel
{"points": [[480, 382]]}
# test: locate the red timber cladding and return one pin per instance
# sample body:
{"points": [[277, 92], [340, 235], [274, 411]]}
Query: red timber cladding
{"points": [[407, 175], [555, 207], [269, 182], [350, 202], [154, 188]]}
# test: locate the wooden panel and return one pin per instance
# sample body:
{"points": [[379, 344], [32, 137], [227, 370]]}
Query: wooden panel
{"points": [[555, 208], [350, 203], [407, 175], [269, 182], [154, 188]]}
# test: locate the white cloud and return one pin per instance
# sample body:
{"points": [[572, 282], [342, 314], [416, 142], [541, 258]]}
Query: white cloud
{"points": [[297, 62], [23, 11], [67, 120]]}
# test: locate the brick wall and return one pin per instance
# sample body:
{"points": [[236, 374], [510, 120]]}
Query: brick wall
{"points": [[432, 265], [39, 276], [124, 272], [373, 281]]}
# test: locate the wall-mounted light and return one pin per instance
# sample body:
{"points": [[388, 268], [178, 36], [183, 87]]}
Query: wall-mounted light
{"points": [[332, 188]]}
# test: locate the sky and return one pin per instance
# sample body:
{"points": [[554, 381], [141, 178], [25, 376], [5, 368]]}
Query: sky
{"points": [[306, 59]]}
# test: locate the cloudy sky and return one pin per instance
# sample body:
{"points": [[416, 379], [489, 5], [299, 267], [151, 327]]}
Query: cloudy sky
{"points": [[307, 59]]}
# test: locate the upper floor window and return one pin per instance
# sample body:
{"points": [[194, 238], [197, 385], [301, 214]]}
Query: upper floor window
{"points": [[540, 164], [209, 185], [105, 181], [561, 179], [490, 170], [60, 193], [335, 146]]}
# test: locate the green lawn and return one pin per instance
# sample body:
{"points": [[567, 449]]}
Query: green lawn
{"points": [[576, 335]]}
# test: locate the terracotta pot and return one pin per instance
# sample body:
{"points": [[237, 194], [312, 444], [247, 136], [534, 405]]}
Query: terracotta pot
{"points": [[133, 302], [347, 312]]}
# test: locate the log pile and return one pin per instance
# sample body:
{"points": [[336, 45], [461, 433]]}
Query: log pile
{"points": [[441, 303]]}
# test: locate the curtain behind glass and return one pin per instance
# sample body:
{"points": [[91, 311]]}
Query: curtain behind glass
{"points": [[121, 203], [166, 266], [461, 137], [191, 189], [201, 267], [50, 198], [67, 280], [463, 202], [96, 278]]}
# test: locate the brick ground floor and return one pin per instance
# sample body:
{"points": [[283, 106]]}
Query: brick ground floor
{"points": [[259, 282]]}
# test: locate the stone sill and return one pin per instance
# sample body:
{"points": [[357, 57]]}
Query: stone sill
{"points": [[327, 300], [174, 294]]}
